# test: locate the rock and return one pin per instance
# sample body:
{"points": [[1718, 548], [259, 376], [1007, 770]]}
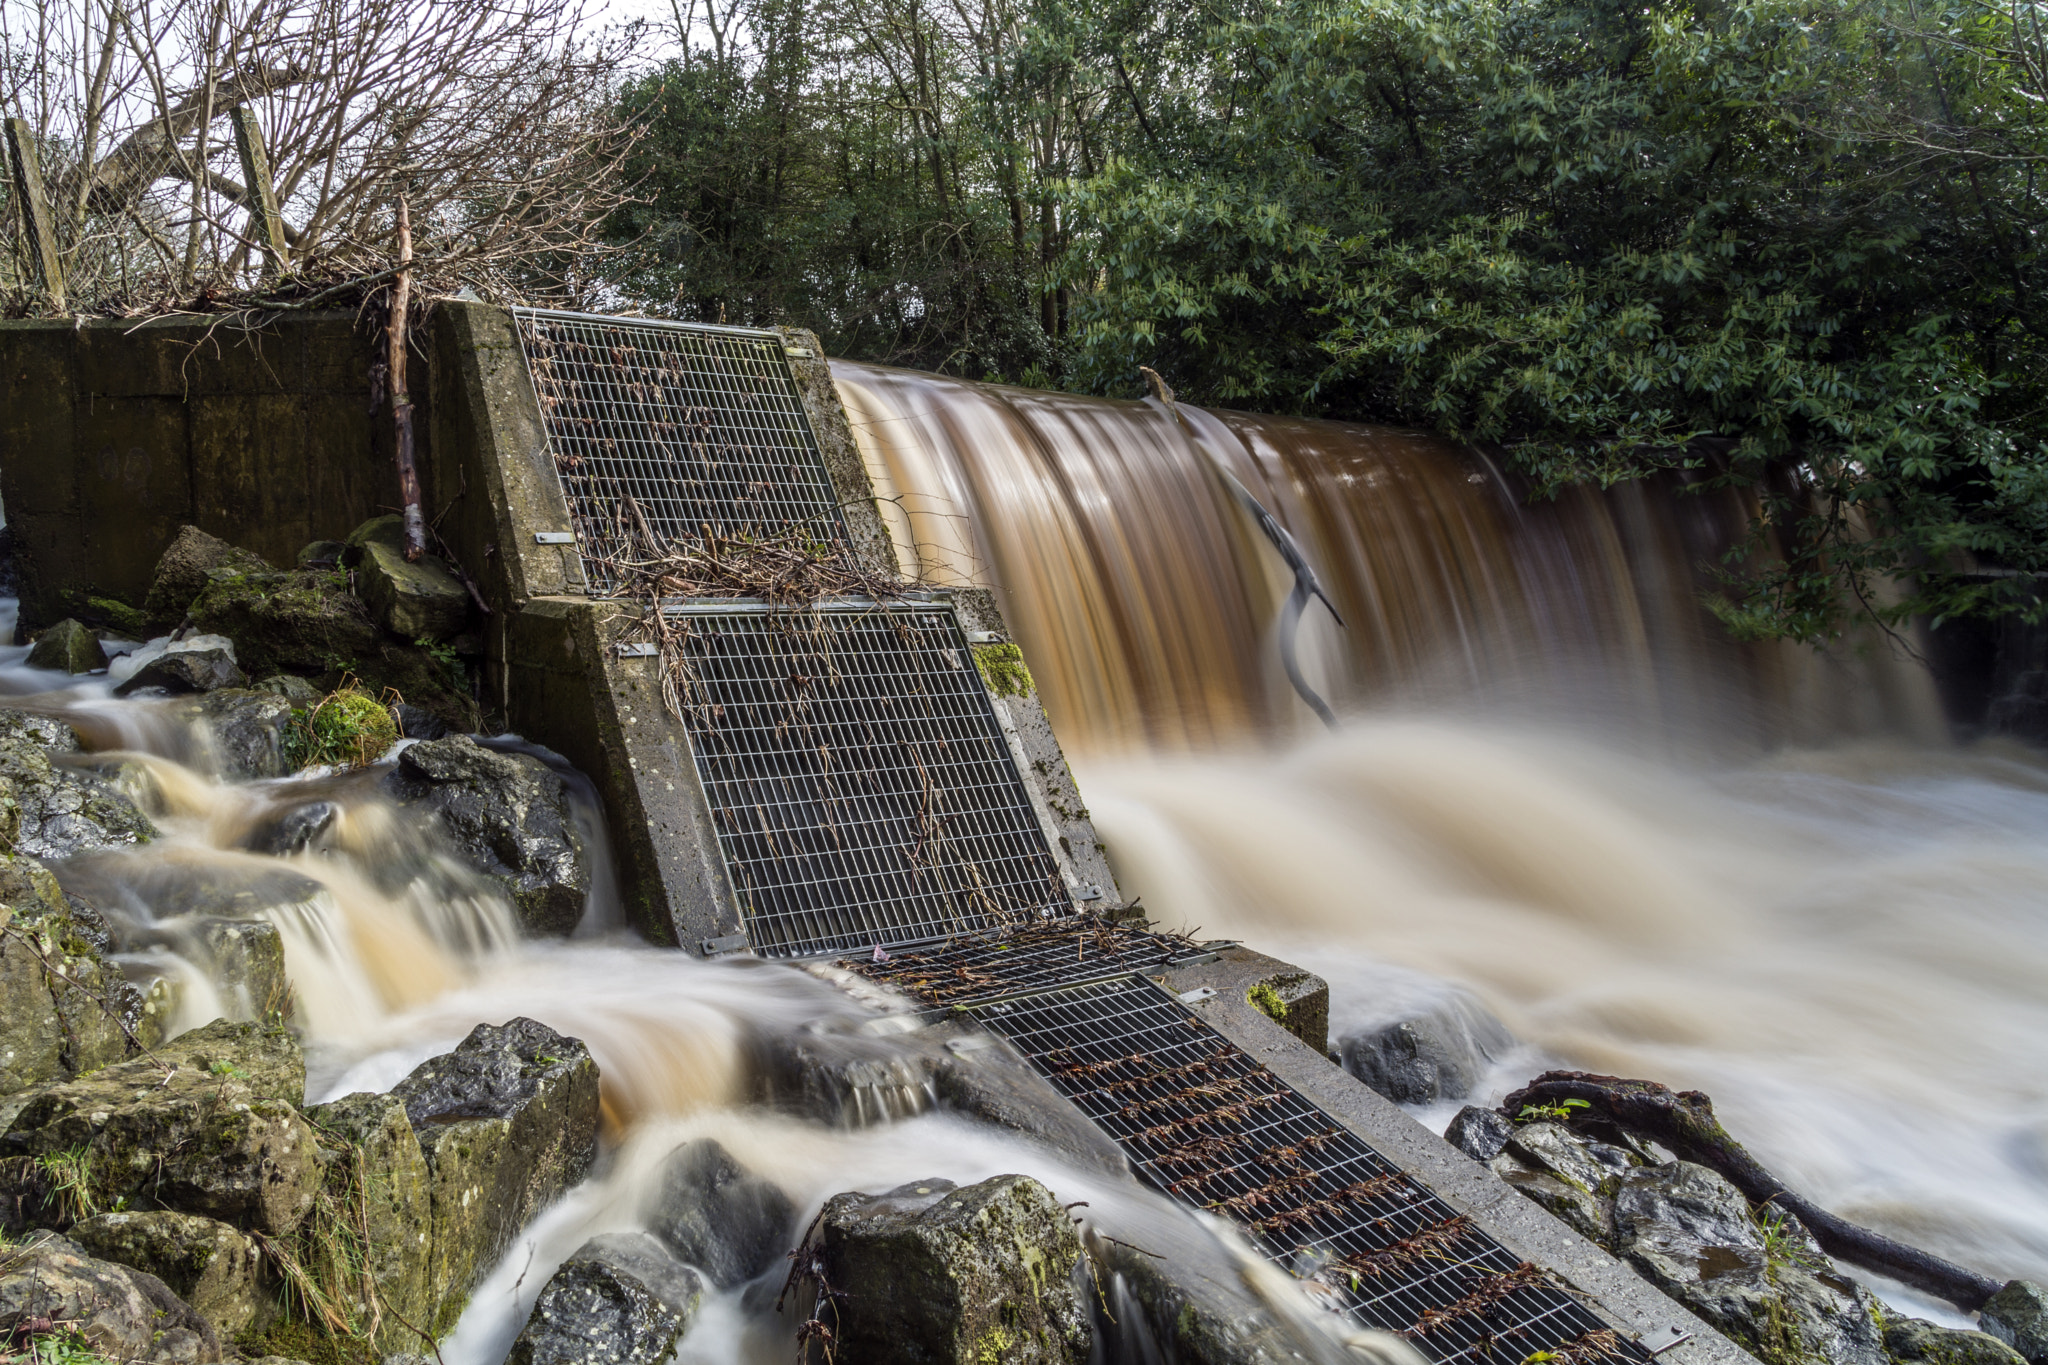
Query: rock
{"points": [[845, 1078], [508, 1121], [2018, 1316], [181, 574], [58, 812], [420, 600], [68, 647], [929, 1273], [52, 1028], [248, 728], [300, 623], [1914, 1341], [1573, 1176], [211, 1266], [621, 1297], [417, 723], [293, 689], [217, 1136], [1689, 1232], [1298, 1001], [245, 958], [119, 1312], [382, 1157], [511, 817], [186, 670], [717, 1216], [1439, 1055], [1479, 1133], [321, 555], [293, 830], [979, 1075]]}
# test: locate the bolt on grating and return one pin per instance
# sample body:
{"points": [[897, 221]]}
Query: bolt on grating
{"points": [[1216, 1130], [681, 427], [860, 785], [1034, 957]]}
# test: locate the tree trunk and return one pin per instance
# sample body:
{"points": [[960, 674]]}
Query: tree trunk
{"points": [[401, 398]]}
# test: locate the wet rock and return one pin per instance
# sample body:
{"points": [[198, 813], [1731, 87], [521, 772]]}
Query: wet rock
{"points": [[68, 647], [1479, 1133], [930, 1273], [293, 689], [299, 623], [2018, 1316], [717, 1216], [119, 1312], [1437, 1055], [186, 670], [216, 1136], [49, 811], [378, 1154], [62, 1004], [1573, 1176], [511, 817], [508, 1121], [418, 723], [182, 573], [248, 728], [1913, 1341], [321, 554], [293, 830], [211, 1266], [419, 600], [621, 1297], [245, 958], [977, 1074], [1690, 1233], [846, 1078]]}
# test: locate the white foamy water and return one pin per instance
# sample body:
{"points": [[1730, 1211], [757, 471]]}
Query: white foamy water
{"points": [[1845, 948]]}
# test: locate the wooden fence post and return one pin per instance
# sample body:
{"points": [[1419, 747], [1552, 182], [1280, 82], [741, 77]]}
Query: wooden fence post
{"points": [[27, 169], [262, 201]]}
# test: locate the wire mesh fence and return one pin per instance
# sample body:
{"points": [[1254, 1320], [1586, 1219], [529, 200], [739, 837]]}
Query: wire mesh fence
{"points": [[862, 790], [666, 432], [1213, 1128]]}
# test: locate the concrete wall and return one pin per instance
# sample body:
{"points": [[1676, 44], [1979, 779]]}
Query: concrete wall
{"points": [[115, 433]]}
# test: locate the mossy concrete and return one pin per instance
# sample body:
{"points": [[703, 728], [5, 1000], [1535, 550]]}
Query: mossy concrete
{"points": [[114, 434]]}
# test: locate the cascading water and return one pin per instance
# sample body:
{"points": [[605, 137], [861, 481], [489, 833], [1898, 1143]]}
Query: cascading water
{"points": [[1762, 871]]}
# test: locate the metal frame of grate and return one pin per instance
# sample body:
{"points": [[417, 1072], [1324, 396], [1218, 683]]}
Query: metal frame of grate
{"points": [[687, 426], [861, 787], [978, 968], [1214, 1129]]}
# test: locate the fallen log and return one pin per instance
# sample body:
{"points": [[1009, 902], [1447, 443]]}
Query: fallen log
{"points": [[1684, 1122]]}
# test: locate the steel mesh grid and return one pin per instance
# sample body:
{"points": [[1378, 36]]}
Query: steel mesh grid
{"points": [[860, 785], [1213, 1128], [676, 427], [1020, 960]]}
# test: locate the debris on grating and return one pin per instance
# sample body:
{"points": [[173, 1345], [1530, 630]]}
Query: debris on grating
{"points": [[1014, 959]]}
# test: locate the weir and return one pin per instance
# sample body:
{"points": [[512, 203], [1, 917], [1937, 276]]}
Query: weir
{"points": [[868, 777]]}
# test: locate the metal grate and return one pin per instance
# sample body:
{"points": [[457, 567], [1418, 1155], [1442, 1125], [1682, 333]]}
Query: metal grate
{"points": [[1020, 961], [674, 427], [861, 787], [1214, 1129]]}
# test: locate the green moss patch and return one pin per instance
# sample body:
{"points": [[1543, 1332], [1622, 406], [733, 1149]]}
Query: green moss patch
{"points": [[348, 726], [1002, 670], [1263, 998]]}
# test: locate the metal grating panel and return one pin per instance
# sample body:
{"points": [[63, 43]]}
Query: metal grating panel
{"points": [[662, 429], [1020, 961], [860, 785], [1214, 1129]]}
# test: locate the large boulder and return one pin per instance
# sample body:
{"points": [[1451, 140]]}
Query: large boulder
{"points": [[418, 600], [49, 811], [508, 1122], [247, 727], [119, 1312], [1690, 1233], [206, 1125], [378, 1161], [1437, 1054], [512, 818], [1915, 1341], [64, 1008], [935, 1275], [2018, 1316], [182, 573], [621, 1297], [182, 671], [216, 1269], [717, 1216], [68, 647]]}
